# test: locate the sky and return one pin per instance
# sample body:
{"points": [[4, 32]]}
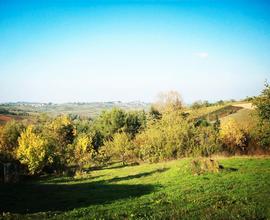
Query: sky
{"points": [[85, 51]]}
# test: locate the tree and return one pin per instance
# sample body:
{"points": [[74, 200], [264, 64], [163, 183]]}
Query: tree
{"points": [[83, 150], [110, 122], [166, 138], [262, 103], [121, 146], [197, 104], [134, 121], [32, 150], [9, 135], [205, 141], [169, 101], [154, 113], [217, 124], [61, 133]]}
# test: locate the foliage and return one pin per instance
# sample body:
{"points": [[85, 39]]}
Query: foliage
{"points": [[200, 104], [262, 102], [110, 122], [233, 137], [169, 101], [121, 147], [167, 131], [154, 114], [61, 133], [134, 122], [164, 139], [174, 136], [205, 141], [32, 150], [83, 150], [204, 165], [9, 135]]}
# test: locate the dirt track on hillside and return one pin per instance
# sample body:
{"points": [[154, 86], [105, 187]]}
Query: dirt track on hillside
{"points": [[245, 105]]}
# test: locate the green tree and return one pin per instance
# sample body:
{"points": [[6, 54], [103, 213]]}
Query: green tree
{"points": [[154, 113], [134, 122], [166, 138], [60, 134], [262, 103], [110, 122], [121, 146]]}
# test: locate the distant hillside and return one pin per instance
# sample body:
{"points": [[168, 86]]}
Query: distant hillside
{"points": [[239, 111], [81, 109], [244, 117]]}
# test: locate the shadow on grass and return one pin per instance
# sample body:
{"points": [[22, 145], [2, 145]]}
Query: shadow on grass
{"points": [[66, 179], [112, 165], [227, 169], [34, 197], [139, 175]]}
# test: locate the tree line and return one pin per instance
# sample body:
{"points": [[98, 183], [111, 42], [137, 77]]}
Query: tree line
{"points": [[165, 132]]}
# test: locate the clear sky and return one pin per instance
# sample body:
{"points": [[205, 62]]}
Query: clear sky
{"points": [[65, 51]]}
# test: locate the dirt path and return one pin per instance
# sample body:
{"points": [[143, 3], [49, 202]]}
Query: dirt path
{"points": [[245, 105]]}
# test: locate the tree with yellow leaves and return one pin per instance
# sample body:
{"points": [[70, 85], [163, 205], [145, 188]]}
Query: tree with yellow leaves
{"points": [[83, 150], [32, 150]]}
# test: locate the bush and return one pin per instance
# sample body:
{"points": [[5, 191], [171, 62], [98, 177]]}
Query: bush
{"points": [[205, 141], [9, 135], [121, 147], [166, 138], [234, 137], [204, 165]]}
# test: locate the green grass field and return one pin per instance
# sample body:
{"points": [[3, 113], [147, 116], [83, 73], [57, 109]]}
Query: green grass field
{"points": [[150, 191]]}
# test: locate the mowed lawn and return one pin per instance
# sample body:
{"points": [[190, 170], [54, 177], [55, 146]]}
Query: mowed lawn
{"points": [[150, 191]]}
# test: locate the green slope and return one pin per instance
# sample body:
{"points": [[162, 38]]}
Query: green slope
{"points": [[149, 191]]}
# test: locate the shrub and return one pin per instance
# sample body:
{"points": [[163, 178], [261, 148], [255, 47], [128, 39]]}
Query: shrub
{"points": [[121, 147], [204, 142], [204, 165], [166, 138], [9, 135], [234, 138]]}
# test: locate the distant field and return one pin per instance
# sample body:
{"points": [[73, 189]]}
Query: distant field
{"points": [[5, 118], [82, 109], [93, 109], [150, 191], [201, 112], [241, 116]]}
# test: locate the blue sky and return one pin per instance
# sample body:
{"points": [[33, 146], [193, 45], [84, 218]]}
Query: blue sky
{"points": [[65, 51]]}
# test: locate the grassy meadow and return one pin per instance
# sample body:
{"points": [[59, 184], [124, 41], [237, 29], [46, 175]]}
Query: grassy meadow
{"points": [[135, 109], [167, 190]]}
